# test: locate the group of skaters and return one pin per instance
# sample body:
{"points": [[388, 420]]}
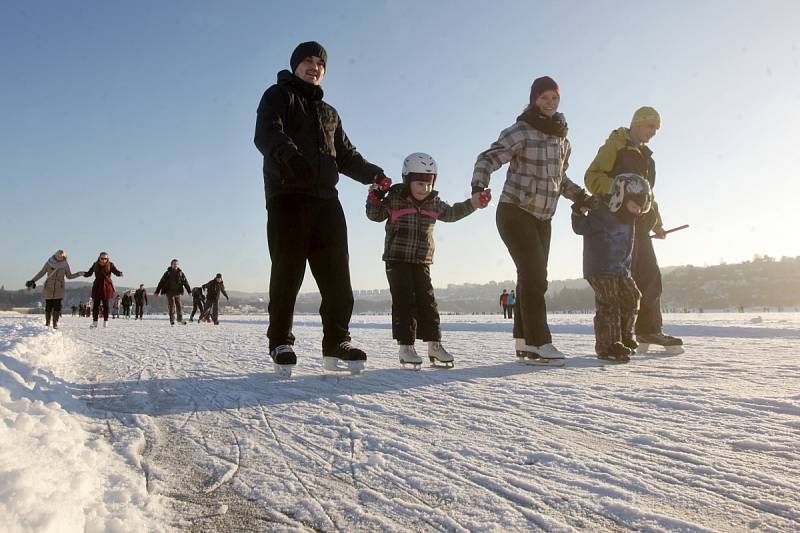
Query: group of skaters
{"points": [[106, 302], [305, 149], [507, 302], [129, 301], [172, 284]]}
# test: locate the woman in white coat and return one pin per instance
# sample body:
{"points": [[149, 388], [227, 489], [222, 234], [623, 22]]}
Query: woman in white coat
{"points": [[57, 269]]}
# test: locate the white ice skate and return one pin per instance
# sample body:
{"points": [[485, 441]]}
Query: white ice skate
{"points": [[344, 357], [544, 355], [283, 360], [93, 325], [519, 345], [439, 356], [409, 357]]}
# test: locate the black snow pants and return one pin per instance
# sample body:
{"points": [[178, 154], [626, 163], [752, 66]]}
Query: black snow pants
{"points": [[528, 241], [304, 228], [197, 307], [211, 309], [174, 307], [648, 278], [96, 309], [52, 310], [415, 314]]}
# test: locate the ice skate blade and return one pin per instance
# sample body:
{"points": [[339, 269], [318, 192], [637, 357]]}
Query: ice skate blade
{"points": [[284, 371], [408, 365], [435, 363], [614, 360], [644, 348], [543, 361], [334, 364]]}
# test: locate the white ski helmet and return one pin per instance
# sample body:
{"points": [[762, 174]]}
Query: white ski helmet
{"points": [[628, 185], [419, 163]]}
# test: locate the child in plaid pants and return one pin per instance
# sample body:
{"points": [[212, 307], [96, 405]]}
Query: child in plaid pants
{"points": [[608, 236]]}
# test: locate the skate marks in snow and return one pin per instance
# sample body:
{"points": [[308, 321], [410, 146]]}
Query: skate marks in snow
{"points": [[703, 441]]}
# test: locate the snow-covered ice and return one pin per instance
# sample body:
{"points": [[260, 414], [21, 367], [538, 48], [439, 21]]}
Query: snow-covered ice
{"points": [[143, 426]]}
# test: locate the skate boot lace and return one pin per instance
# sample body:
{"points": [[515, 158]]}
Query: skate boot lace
{"points": [[345, 345]]}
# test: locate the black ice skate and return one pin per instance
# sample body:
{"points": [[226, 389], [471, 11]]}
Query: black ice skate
{"points": [[630, 344], [616, 353], [671, 345], [283, 360], [344, 357]]}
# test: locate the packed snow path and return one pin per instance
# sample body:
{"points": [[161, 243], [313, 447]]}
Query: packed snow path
{"points": [[709, 440]]}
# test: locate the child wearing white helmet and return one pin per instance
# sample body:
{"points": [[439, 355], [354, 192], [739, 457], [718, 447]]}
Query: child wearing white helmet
{"points": [[410, 210], [608, 238]]}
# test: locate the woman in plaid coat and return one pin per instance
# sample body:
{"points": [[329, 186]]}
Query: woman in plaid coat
{"points": [[537, 148]]}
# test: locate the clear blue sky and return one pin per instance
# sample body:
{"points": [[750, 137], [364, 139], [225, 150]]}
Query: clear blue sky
{"points": [[128, 127]]}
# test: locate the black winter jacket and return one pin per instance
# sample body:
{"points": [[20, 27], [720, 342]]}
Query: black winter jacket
{"points": [[213, 288], [293, 120], [140, 296], [172, 283], [197, 295]]}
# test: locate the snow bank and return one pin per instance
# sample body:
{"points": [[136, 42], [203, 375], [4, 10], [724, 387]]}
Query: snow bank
{"points": [[55, 475]]}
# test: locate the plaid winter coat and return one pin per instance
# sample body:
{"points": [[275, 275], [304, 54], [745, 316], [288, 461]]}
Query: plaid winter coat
{"points": [[409, 224], [537, 173]]}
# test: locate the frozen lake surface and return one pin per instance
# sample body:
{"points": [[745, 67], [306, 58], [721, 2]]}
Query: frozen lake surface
{"points": [[142, 426]]}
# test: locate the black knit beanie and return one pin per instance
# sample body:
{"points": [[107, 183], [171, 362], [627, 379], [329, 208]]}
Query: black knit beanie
{"points": [[540, 85], [304, 50]]}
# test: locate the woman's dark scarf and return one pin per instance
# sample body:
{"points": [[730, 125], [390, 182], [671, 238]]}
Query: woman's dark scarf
{"points": [[555, 125]]}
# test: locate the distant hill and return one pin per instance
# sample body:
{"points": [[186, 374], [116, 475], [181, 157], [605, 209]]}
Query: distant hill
{"points": [[762, 282]]}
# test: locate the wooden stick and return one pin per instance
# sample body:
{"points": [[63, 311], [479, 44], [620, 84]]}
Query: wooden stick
{"points": [[673, 230]]}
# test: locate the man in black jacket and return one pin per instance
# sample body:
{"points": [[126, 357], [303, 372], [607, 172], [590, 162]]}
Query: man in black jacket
{"points": [[172, 284], [305, 148], [140, 299], [213, 288]]}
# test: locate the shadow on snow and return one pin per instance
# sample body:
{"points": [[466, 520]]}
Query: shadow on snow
{"points": [[167, 396]]}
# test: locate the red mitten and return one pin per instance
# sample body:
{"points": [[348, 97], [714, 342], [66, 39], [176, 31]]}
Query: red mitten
{"points": [[383, 182], [485, 197], [379, 188], [376, 194]]}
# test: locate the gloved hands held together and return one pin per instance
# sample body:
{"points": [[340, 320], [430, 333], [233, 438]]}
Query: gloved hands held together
{"points": [[378, 189], [481, 198]]}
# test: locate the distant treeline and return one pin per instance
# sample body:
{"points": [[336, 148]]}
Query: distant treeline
{"points": [[764, 282]]}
